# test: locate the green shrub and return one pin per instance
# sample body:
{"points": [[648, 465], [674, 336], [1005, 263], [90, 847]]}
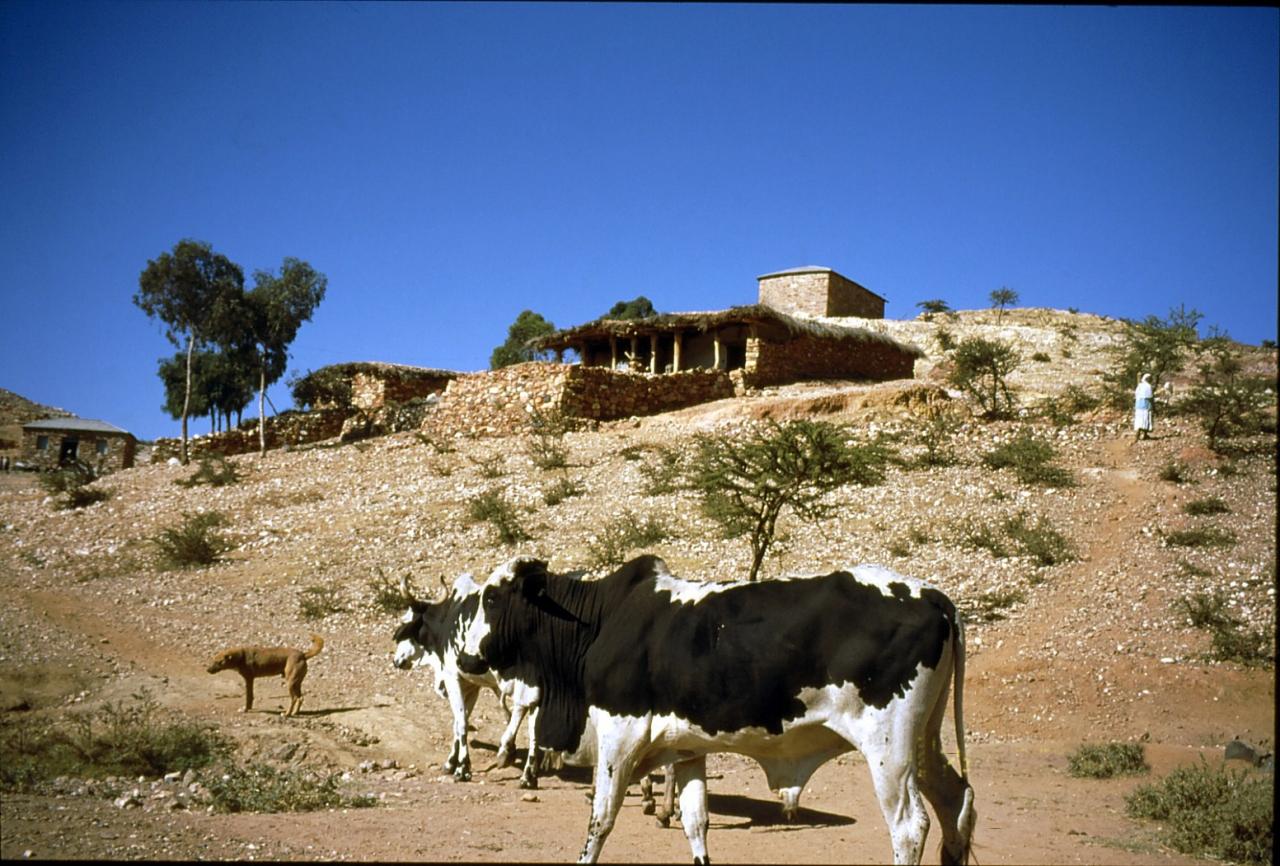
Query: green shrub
{"points": [[214, 470], [899, 547], [490, 466], [495, 509], [193, 543], [1040, 540], [1105, 760], [320, 600], [546, 446], [71, 482], [1208, 505], [262, 788], [1201, 536], [436, 443], [623, 534], [560, 489], [990, 606], [981, 371], [663, 471], [936, 435], [1175, 473], [1030, 459], [946, 340], [1230, 641], [387, 597], [1209, 812], [1193, 570], [976, 534], [1040, 357], [119, 739]]}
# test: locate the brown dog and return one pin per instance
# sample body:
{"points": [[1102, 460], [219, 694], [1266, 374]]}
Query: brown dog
{"points": [[265, 661]]}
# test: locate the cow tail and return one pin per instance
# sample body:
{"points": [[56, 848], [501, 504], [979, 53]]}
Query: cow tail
{"points": [[957, 650]]}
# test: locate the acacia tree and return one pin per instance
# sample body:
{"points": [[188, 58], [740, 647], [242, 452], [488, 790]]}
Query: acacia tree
{"points": [[191, 290], [1152, 345], [981, 369], [745, 483], [1228, 400], [267, 322], [528, 326], [1001, 298], [932, 307]]}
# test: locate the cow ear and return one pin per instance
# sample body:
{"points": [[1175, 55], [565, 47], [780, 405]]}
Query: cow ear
{"points": [[534, 584]]}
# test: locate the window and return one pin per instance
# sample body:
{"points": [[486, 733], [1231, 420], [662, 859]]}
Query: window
{"points": [[42, 443], [101, 446]]}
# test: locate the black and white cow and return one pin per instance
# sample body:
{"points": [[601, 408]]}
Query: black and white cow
{"points": [[431, 634], [791, 672]]}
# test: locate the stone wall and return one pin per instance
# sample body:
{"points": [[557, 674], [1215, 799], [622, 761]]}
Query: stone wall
{"points": [[118, 453], [288, 428], [500, 402], [374, 390], [819, 293], [604, 395], [812, 357]]}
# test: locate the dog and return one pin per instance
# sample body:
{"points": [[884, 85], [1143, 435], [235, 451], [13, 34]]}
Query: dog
{"points": [[265, 661]]}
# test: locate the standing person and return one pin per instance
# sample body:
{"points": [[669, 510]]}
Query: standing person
{"points": [[1142, 420]]}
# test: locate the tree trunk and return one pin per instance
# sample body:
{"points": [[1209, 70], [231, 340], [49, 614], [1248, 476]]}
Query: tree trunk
{"points": [[186, 399], [262, 411]]}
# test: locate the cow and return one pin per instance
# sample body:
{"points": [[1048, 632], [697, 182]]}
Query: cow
{"points": [[791, 672], [431, 633]]}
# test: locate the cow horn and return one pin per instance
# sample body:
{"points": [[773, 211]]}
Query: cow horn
{"points": [[404, 588], [444, 587]]}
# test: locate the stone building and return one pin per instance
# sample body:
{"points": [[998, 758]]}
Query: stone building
{"points": [[818, 291], [53, 442], [370, 385]]}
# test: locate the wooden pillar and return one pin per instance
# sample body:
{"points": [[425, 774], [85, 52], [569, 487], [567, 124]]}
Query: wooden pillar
{"points": [[676, 340], [653, 353], [613, 352], [719, 353], [582, 354], [632, 367], [560, 356]]}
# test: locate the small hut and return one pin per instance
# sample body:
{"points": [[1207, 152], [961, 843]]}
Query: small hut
{"points": [[53, 442]]}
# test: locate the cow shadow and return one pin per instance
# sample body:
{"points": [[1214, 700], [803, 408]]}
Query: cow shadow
{"points": [[768, 813], [329, 711]]}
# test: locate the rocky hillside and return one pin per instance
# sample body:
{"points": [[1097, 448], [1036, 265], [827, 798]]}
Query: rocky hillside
{"points": [[1084, 638]]}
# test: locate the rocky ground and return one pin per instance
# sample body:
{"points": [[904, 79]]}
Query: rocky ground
{"points": [[1094, 649]]}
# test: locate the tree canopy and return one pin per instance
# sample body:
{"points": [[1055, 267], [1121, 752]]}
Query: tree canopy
{"points": [[1001, 298], [194, 292], [1153, 345], [516, 350], [639, 307]]}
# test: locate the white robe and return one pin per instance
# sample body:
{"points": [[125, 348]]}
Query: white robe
{"points": [[1142, 407]]}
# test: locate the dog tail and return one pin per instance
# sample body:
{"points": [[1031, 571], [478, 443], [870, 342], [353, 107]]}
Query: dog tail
{"points": [[317, 644]]}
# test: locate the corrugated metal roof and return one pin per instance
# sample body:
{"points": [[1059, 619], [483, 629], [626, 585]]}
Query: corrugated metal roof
{"points": [[80, 425]]}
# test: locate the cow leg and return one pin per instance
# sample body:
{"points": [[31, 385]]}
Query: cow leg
{"points": [[648, 805], [950, 795], [507, 745], [619, 744], [893, 773], [790, 801], [462, 698], [669, 809], [529, 777], [691, 776]]}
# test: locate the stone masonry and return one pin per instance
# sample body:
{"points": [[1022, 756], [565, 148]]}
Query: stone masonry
{"points": [[819, 292]]}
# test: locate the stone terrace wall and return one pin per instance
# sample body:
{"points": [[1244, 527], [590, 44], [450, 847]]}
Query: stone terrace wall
{"points": [[605, 395], [378, 389], [291, 428], [809, 357], [500, 402]]}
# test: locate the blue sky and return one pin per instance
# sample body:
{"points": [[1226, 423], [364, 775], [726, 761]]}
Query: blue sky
{"points": [[449, 165]]}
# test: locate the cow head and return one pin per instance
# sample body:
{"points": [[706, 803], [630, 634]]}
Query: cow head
{"points": [[415, 643], [503, 620]]}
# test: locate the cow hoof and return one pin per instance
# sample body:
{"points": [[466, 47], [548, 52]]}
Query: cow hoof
{"points": [[463, 773], [530, 783], [648, 807], [663, 821]]}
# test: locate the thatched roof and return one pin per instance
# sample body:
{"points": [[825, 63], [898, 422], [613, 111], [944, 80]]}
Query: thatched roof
{"points": [[770, 325], [385, 370]]}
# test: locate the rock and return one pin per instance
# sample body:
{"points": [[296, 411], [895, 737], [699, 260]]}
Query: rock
{"points": [[1237, 750]]}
